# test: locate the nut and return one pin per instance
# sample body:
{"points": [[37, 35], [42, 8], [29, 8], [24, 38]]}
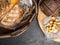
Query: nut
{"points": [[52, 25], [53, 18]]}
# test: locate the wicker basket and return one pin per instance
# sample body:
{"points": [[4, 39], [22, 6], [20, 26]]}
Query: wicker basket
{"points": [[46, 9], [23, 26]]}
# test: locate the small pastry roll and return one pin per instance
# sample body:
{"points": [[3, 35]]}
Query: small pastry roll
{"points": [[11, 18]]}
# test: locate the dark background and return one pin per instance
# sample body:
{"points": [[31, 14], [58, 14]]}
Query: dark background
{"points": [[33, 36]]}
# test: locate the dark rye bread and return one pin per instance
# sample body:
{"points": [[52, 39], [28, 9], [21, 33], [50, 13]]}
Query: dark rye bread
{"points": [[50, 6]]}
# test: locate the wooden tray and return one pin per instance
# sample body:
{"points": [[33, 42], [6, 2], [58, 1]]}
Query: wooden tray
{"points": [[45, 9], [42, 16]]}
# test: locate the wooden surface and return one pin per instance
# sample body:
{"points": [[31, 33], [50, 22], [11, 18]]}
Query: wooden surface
{"points": [[42, 16]]}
